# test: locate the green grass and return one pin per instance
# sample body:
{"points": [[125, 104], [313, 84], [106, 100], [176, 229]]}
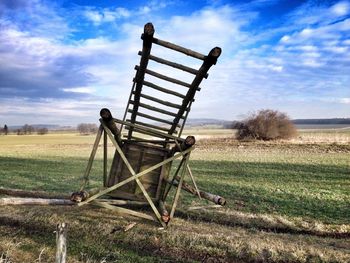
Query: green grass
{"points": [[287, 202]]}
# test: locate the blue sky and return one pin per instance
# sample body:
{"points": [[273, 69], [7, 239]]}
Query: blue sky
{"points": [[61, 61]]}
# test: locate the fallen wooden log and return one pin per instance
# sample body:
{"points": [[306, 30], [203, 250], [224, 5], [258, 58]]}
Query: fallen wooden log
{"points": [[34, 194], [34, 201], [219, 200]]}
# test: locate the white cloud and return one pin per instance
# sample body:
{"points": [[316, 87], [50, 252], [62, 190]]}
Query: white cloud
{"points": [[341, 8]]}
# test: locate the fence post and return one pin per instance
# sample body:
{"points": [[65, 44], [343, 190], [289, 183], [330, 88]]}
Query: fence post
{"points": [[61, 241]]}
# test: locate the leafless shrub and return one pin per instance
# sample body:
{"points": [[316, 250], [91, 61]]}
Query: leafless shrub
{"points": [[266, 125], [87, 128], [42, 131]]}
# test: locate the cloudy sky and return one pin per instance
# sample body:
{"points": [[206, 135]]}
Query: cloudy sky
{"points": [[61, 61]]}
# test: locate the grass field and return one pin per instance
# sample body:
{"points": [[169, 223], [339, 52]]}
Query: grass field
{"points": [[287, 202]]}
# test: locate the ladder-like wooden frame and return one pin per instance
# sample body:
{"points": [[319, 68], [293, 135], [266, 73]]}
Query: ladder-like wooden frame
{"points": [[167, 137]]}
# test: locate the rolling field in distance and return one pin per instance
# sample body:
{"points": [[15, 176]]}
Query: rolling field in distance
{"points": [[287, 201]]}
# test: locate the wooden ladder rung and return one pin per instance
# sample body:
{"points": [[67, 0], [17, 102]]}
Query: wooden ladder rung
{"points": [[156, 87], [152, 108], [166, 78], [174, 65], [151, 126], [163, 102], [178, 48], [153, 118]]}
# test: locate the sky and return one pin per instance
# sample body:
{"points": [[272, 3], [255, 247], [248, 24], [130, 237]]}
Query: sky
{"points": [[62, 61]]}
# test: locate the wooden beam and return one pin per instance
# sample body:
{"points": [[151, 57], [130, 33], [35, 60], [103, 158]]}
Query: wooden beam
{"points": [[147, 37], [152, 118], [173, 64], [34, 201], [152, 108], [150, 126], [208, 62], [166, 78], [167, 91], [178, 48], [163, 102]]}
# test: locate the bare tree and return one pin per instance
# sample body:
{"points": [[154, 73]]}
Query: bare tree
{"points": [[6, 129], [28, 129]]}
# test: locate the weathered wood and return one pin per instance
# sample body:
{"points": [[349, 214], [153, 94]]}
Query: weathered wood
{"points": [[33, 201], [118, 185], [168, 136], [219, 200], [82, 195], [152, 118], [35, 194], [167, 91], [61, 242], [105, 158], [163, 102], [178, 48], [208, 62], [177, 193], [150, 126], [152, 108], [173, 64], [123, 202], [187, 143], [164, 212], [122, 210], [147, 37], [107, 117], [92, 157], [166, 78]]}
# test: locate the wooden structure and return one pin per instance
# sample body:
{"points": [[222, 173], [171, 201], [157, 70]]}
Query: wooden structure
{"points": [[140, 171]]}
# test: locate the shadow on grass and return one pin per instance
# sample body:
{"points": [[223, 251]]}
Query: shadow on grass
{"points": [[318, 192], [61, 175], [308, 191]]}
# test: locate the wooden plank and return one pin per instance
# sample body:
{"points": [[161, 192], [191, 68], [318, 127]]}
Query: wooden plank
{"points": [[178, 190], [152, 118], [152, 108], [167, 91], [122, 210], [163, 102], [174, 65], [118, 185], [34, 201], [105, 160], [150, 125], [166, 78], [178, 48], [147, 37], [164, 135], [92, 157]]}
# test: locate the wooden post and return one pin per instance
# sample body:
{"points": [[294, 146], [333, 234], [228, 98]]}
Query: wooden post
{"points": [[208, 62], [61, 241], [147, 38]]}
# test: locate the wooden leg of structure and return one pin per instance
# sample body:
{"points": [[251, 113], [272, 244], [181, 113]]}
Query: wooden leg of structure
{"points": [[92, 157]]}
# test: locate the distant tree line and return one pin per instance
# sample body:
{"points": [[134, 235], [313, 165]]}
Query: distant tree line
{"points": [[87, 128], [24, 130]]}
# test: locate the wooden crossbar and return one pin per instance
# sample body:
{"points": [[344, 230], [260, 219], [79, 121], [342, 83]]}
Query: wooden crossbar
{"points": [[150, 126], [178, 48], [166, 78], [156, 87], [163, 102], [153, 118]]}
